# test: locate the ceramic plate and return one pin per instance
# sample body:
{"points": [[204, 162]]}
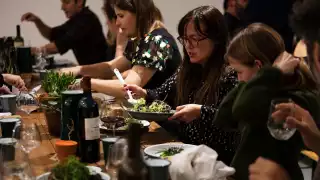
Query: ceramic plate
{"points": [[145, 124], [151, 116], [155, 150]]}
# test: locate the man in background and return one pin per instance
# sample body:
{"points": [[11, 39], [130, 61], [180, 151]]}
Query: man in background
{"points": [[82, 33], [233, 12], [274, 13]]}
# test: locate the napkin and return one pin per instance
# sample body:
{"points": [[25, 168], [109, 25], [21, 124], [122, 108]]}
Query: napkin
{"points": [[198, 163]]}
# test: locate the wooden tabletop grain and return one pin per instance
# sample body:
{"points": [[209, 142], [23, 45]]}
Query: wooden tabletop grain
{"points": [[43, 158]]}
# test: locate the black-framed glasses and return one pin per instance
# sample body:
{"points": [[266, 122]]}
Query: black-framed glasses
{"points": [[190, 40]]}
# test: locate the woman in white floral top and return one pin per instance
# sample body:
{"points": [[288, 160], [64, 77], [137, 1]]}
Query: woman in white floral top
{"points": [[149, 59]]}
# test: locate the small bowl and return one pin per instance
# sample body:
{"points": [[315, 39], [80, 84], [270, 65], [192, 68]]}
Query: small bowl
{"points": [[65, 148]]}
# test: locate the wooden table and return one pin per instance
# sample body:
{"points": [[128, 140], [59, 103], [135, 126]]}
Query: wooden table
{"points": [[43, 158]]}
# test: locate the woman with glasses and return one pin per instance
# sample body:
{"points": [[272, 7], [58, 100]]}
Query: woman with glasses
{"points": [[153, 55], [200, 83]]}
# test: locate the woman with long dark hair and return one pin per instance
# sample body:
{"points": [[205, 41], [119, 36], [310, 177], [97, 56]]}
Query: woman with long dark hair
{"points": [[200, 83], [153, 55]]}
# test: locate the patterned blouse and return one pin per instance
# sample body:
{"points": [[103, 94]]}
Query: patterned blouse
{"points": [[201, 130], [157, 50]]}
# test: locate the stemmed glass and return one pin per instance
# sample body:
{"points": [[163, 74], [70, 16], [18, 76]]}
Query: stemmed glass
{"points": [[117, 153], [277, 125], [41, 62], [14, 162], [28, 136], [110, 115], [27, 102]]}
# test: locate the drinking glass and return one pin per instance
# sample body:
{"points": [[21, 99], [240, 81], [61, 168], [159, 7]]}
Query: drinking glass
{"points": [[27, 102], [16, 168], [117, 153], [277, 125], [111, 115], [28, 136], [40, 60]]}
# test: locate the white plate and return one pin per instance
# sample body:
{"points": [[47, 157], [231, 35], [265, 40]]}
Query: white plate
{"points": [[104, 176], [155, 150], [145, 124]]}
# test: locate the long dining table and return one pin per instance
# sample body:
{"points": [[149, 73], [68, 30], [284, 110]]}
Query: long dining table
{"points": [[43, 158]]}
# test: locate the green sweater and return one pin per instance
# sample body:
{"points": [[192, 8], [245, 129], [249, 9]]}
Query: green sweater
{"points": [[247, 107]]}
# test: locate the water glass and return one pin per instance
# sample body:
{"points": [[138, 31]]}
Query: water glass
{"points": [[116, 154], [16, 168], [28, 136], [277, 125]]}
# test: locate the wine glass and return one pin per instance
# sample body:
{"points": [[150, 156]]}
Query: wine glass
{"points": [[117, 153], [277, 125], [111, 115], [28, 136], [13, 161], [27, 102], [40, 61]]}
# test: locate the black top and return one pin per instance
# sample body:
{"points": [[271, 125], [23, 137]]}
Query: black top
{"points": [[111, 52], [201, 130], [84, 35], [158, 50], [247, 108], [274, 13], [233, 23]]}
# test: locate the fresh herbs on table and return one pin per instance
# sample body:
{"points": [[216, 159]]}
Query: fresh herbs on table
{"points": [[156, 106], [170, 152], [72, 169], [54, 83]]}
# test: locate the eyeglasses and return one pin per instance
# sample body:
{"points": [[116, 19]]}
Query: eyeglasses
{"points": [[190, 40]]}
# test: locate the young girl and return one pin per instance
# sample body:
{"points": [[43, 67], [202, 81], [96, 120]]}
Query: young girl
{"points": [[153, 57], [252, 54], [200, 83]]}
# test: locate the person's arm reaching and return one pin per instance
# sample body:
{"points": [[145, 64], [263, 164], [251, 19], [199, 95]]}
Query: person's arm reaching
{"points": [[138, 75], [44, 29], [103, 70]]}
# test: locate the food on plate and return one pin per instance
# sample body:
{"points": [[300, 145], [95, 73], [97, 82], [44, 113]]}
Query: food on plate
{"points": [[156, 106], [72, 169], [170, 152], [119, 122]]}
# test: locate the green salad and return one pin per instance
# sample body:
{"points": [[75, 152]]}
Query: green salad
{"points": [[156, 106], [170, 152]]}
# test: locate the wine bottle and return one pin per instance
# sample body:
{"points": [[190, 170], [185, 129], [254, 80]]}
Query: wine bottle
{"points": [[133, 167], [18, 41], [89, 120]]}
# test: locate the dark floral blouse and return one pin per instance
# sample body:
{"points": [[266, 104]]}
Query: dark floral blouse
{"points": [[201, 130], [157, 50]]}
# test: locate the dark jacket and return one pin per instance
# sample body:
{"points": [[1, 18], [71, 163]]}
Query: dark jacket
{"points": [[247, 107]]}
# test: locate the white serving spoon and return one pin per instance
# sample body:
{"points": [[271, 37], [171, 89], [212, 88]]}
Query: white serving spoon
{"points": [[119, 76]]}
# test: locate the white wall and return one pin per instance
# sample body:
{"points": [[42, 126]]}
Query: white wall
{"points": [[50, 13]]}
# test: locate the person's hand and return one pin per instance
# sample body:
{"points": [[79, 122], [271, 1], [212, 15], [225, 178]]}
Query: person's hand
{"points": [[187, 113], [75, 71], [122, 39], [286, 63], [264, 169], [29, 17], [137, 91], [303, 121], [5, 90], [15, 81]]}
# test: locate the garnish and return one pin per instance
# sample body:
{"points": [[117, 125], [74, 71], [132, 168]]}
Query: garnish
{"points": [[170, 151]]}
